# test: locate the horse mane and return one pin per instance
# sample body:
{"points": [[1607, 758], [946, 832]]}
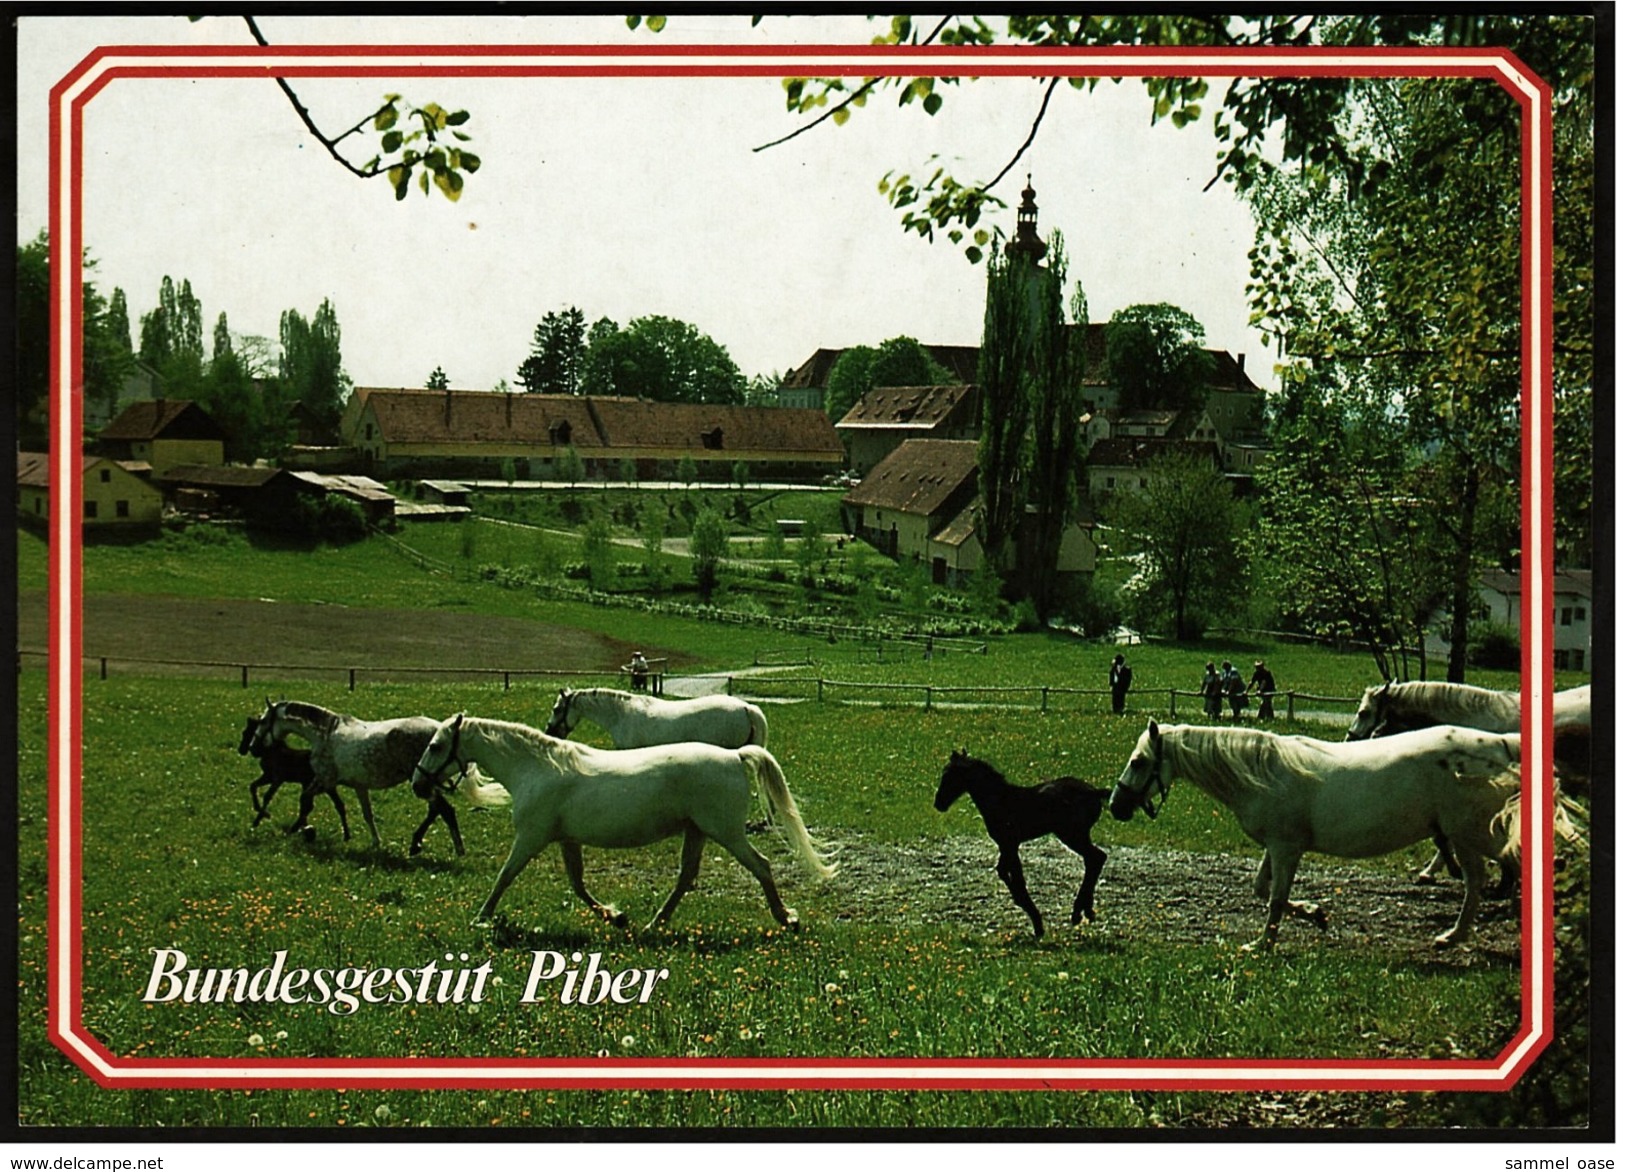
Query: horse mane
{"points": [[1228, 762], [510, 735], [1450, 703], [313, 714]]}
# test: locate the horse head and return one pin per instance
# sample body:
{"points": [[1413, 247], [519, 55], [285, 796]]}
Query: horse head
{"points": [[265, 730], [1144, 778], [560, 724], [442, 751], [250, 727], [956, 779], [1370, 717]]}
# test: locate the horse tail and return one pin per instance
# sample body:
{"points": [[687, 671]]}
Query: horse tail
{"points": [[1568, 821], [482, 791], [782, 805], [758, 726]]}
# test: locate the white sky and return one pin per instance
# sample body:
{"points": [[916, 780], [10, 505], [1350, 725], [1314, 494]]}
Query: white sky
{"points": [[625, 197]]}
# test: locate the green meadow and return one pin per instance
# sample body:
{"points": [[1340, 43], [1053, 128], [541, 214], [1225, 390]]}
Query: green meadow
{"points": [[170, 862]]}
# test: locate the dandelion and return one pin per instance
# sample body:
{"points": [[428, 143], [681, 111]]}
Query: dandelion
{"points": [[832, 987], [988, 999], [1063, 975], [628, 1041], [382, 1113], [255, 1040], [281, 1035], [745, 1034]]}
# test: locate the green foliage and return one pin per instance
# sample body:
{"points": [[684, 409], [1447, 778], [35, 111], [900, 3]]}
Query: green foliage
{"points": [[897, 362], [1155, 359], [558, 353], [438, 380], [1184, 529], [687, 470], [707, 544], [598, 553], [568, 465], [311, 365], [1494, 645], [468, 536], [413, 140], [661, 359]]}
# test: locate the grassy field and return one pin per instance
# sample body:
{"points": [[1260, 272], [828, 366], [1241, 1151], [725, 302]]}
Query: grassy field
{"points": [[172, 863]]}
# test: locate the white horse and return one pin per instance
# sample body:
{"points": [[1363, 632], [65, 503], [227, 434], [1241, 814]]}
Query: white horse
{"points": [[578, 796], [1352, 800], [636, 722], [362, 755], [1389, 708]]}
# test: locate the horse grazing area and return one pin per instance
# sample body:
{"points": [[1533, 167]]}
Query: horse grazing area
{"points": [[912, 948]]}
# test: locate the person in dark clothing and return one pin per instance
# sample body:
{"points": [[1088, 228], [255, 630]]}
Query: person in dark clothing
{"points": [[1263, 682], [1235, 688], [1212, 693], [1120, 678]]}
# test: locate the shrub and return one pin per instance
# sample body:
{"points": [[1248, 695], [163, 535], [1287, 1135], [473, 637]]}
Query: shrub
{"points": [[1493, 646]]}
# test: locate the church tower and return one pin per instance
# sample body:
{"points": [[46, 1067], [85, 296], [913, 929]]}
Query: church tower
{"points": [[1027, 242]]}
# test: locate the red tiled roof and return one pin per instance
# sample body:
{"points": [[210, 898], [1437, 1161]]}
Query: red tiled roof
{"points": [[921, 407], [149, 419], [597, 424], [1137, 451], [418, 416], [919, 477]]}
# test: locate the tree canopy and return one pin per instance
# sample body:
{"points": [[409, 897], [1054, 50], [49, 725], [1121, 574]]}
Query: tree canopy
{"points": [[1155, 359], [662, 359], [896, 362]]}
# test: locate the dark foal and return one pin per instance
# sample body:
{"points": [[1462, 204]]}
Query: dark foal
{"points": [[1014, 814], [281, 763]]}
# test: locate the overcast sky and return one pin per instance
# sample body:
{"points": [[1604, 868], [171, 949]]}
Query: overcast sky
{"points": [[624, 197]]}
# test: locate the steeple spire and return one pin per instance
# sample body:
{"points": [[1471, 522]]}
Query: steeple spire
{"points": [[1027, 242]]}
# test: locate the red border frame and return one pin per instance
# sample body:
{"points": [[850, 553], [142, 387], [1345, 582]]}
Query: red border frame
{"points": [[68, 100]]}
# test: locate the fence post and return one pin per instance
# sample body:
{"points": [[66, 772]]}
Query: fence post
{"points": [[730, 685], [104, 667], [820, 689], [1172, 711], [352, 679], [504, 681], [1290, 697], [1043, 703], [245, 675], [928, 697]]}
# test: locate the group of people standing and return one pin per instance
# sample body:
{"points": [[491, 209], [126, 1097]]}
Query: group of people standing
{"points": [[1218, 685], [1226, 684]]}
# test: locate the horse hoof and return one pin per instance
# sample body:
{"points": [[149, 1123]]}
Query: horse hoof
{"points": [[1424, 879], [414, 850], [309, 834], [1444, 941], [618, 919], [791, 920]]}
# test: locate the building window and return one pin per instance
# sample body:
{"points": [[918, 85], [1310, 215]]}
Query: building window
{"points": [[39, 505], [1567, 616], [90, 510], [369, 431], [1579, 614], [107, 475], [121, 508]]}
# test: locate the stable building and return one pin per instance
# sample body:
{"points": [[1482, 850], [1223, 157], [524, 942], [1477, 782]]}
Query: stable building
{"points": [[164, 433], [884, 419], [116, 498], [449, 434]]}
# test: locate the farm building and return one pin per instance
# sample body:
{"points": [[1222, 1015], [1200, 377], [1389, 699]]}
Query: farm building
{"points": [[883, 419], [215, 489], [164, 433], [461, 433], [805, 385], [1502, 594], [115, 497], [1119, 465], [921, 502], [911, 495]]}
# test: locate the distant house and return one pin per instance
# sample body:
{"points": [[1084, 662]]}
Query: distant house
{"points": [[1120, 465], [804, 386], [164, 433], [921, 502], [474, 433], [115, 498], [1502, 592], [912, 495], [886, 417]]}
